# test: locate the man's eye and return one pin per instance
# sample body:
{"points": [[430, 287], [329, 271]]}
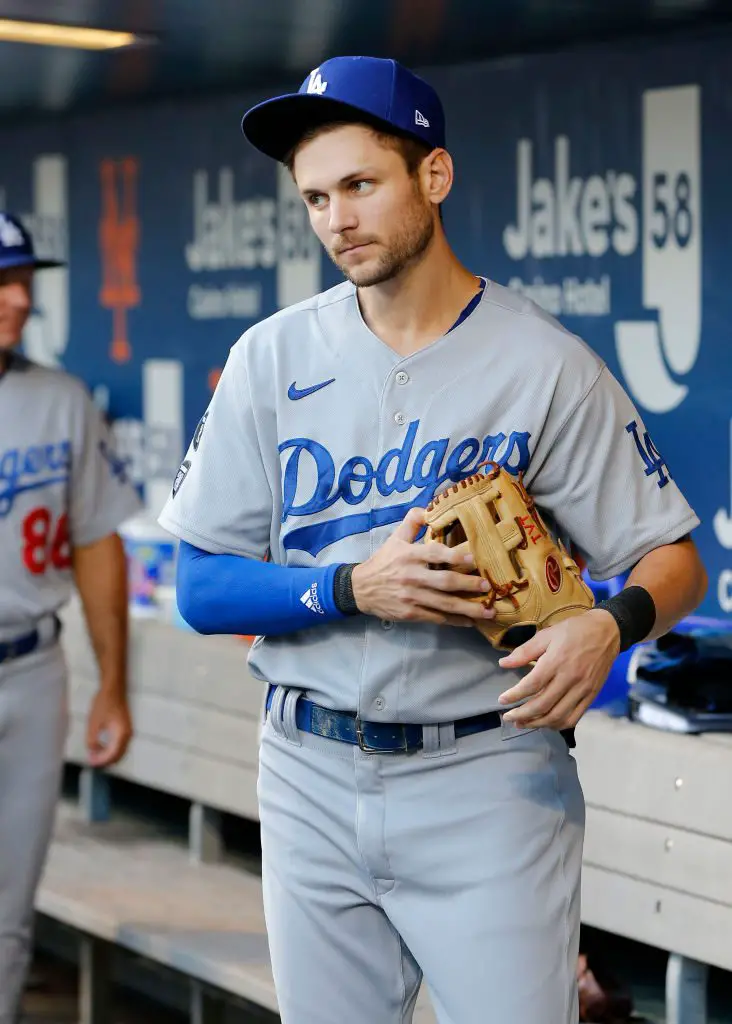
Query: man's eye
{"points": [[317, 200]]}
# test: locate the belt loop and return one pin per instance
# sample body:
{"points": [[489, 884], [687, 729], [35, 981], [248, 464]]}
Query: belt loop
{"points": [[430, 741], [448, 743], [275, 710], [49, 629], [289, 721], [439, 740]]}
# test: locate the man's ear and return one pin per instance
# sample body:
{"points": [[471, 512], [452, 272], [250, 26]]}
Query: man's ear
{"points": [[437, 175]]}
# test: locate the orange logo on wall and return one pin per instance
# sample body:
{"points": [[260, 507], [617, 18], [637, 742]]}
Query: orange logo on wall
{"points": [[119, 238]]}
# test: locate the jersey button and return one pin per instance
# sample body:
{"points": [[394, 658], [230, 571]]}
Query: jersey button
{"points": [[379, 703], [387, 624], [400, 418], [402, 377]]}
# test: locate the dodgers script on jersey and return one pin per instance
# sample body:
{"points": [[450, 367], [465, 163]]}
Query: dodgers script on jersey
{"points": [[60, 482], [319, 438]]}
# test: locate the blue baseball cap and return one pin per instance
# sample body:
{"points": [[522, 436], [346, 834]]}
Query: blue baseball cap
{"points": [[16, 246], [378, 91]]}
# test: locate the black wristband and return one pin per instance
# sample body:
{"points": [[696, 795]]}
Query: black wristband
{"points": [[635, 613], [343, 589]]}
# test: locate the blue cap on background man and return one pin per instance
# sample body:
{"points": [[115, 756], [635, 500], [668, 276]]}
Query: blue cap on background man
{"points": [[16, 246], [381, 92]]}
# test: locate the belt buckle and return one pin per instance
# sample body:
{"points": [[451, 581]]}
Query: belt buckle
{"points": [[367, 749]]}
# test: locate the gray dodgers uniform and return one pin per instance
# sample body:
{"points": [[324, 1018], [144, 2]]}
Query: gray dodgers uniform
{"points": [[369, 859], [58, 480]]}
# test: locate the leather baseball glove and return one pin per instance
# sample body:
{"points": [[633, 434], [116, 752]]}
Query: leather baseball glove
{"points": [[534, 580]]}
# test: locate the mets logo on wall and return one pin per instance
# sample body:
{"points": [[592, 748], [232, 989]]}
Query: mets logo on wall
{"points": [[119, 241]]}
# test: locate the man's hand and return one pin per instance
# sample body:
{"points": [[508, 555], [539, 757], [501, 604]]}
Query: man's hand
{"points": [[397, 583], [100, 574], [573, 660], [109, 729]]}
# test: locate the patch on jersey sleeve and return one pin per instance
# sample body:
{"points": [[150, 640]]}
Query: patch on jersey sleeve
{"points": [[198, 434], [653, 461], [180, 476]]}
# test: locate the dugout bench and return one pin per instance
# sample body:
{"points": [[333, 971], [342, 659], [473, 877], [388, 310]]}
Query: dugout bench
{"points": [[657, 863]]}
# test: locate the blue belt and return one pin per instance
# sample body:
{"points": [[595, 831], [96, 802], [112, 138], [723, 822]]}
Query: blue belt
{"points": [[26, 644], [374, 737]]}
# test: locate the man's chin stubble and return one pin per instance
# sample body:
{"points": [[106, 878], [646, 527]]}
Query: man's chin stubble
{"points": [[379, 275]]}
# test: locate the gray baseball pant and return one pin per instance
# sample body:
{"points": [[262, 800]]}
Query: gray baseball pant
{"points": [[33, 722], [460, 863]]}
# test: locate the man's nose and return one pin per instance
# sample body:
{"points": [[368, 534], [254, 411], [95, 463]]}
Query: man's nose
{"points": [[342, 215]]}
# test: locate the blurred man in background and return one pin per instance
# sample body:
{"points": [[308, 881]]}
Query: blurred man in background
{"points": [[63, 494]]}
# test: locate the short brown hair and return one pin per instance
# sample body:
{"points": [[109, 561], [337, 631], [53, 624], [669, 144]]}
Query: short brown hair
{"points": [[412, 150]]}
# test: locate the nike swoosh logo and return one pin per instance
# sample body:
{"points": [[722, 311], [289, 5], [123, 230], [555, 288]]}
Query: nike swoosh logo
{"points": [[294, 393]]}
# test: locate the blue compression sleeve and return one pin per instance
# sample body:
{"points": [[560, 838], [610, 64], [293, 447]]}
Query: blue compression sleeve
{"points": [[233, 594]]}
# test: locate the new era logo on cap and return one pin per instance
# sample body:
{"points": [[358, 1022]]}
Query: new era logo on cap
{"points": [[420, 119]]}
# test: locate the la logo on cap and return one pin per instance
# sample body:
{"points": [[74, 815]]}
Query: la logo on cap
{"points": [[316, 83], [10, 236]]}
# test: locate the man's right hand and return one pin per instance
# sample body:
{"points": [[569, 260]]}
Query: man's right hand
{"points": [[397, 583]]}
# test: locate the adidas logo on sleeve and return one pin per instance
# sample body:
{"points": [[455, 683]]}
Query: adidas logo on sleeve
{"points": [[310, 600]]}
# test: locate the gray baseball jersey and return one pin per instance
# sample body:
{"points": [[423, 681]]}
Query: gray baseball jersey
{"points": [[60, 483], [320, 437]]}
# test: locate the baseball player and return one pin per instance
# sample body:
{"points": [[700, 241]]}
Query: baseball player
{"points": [[420, 808], [62, 496]]}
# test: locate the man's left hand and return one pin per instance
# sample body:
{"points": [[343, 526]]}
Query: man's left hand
{"points": [[573, 660], [109, 729]]}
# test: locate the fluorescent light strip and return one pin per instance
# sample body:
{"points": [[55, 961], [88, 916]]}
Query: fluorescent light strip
{"points": [[75, 36]]}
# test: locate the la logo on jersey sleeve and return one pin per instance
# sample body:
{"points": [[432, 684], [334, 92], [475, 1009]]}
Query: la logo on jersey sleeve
{"points": [[653, 461]]}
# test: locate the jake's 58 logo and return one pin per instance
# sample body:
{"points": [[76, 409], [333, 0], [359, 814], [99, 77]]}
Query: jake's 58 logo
{"points": [[610, 213]]}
